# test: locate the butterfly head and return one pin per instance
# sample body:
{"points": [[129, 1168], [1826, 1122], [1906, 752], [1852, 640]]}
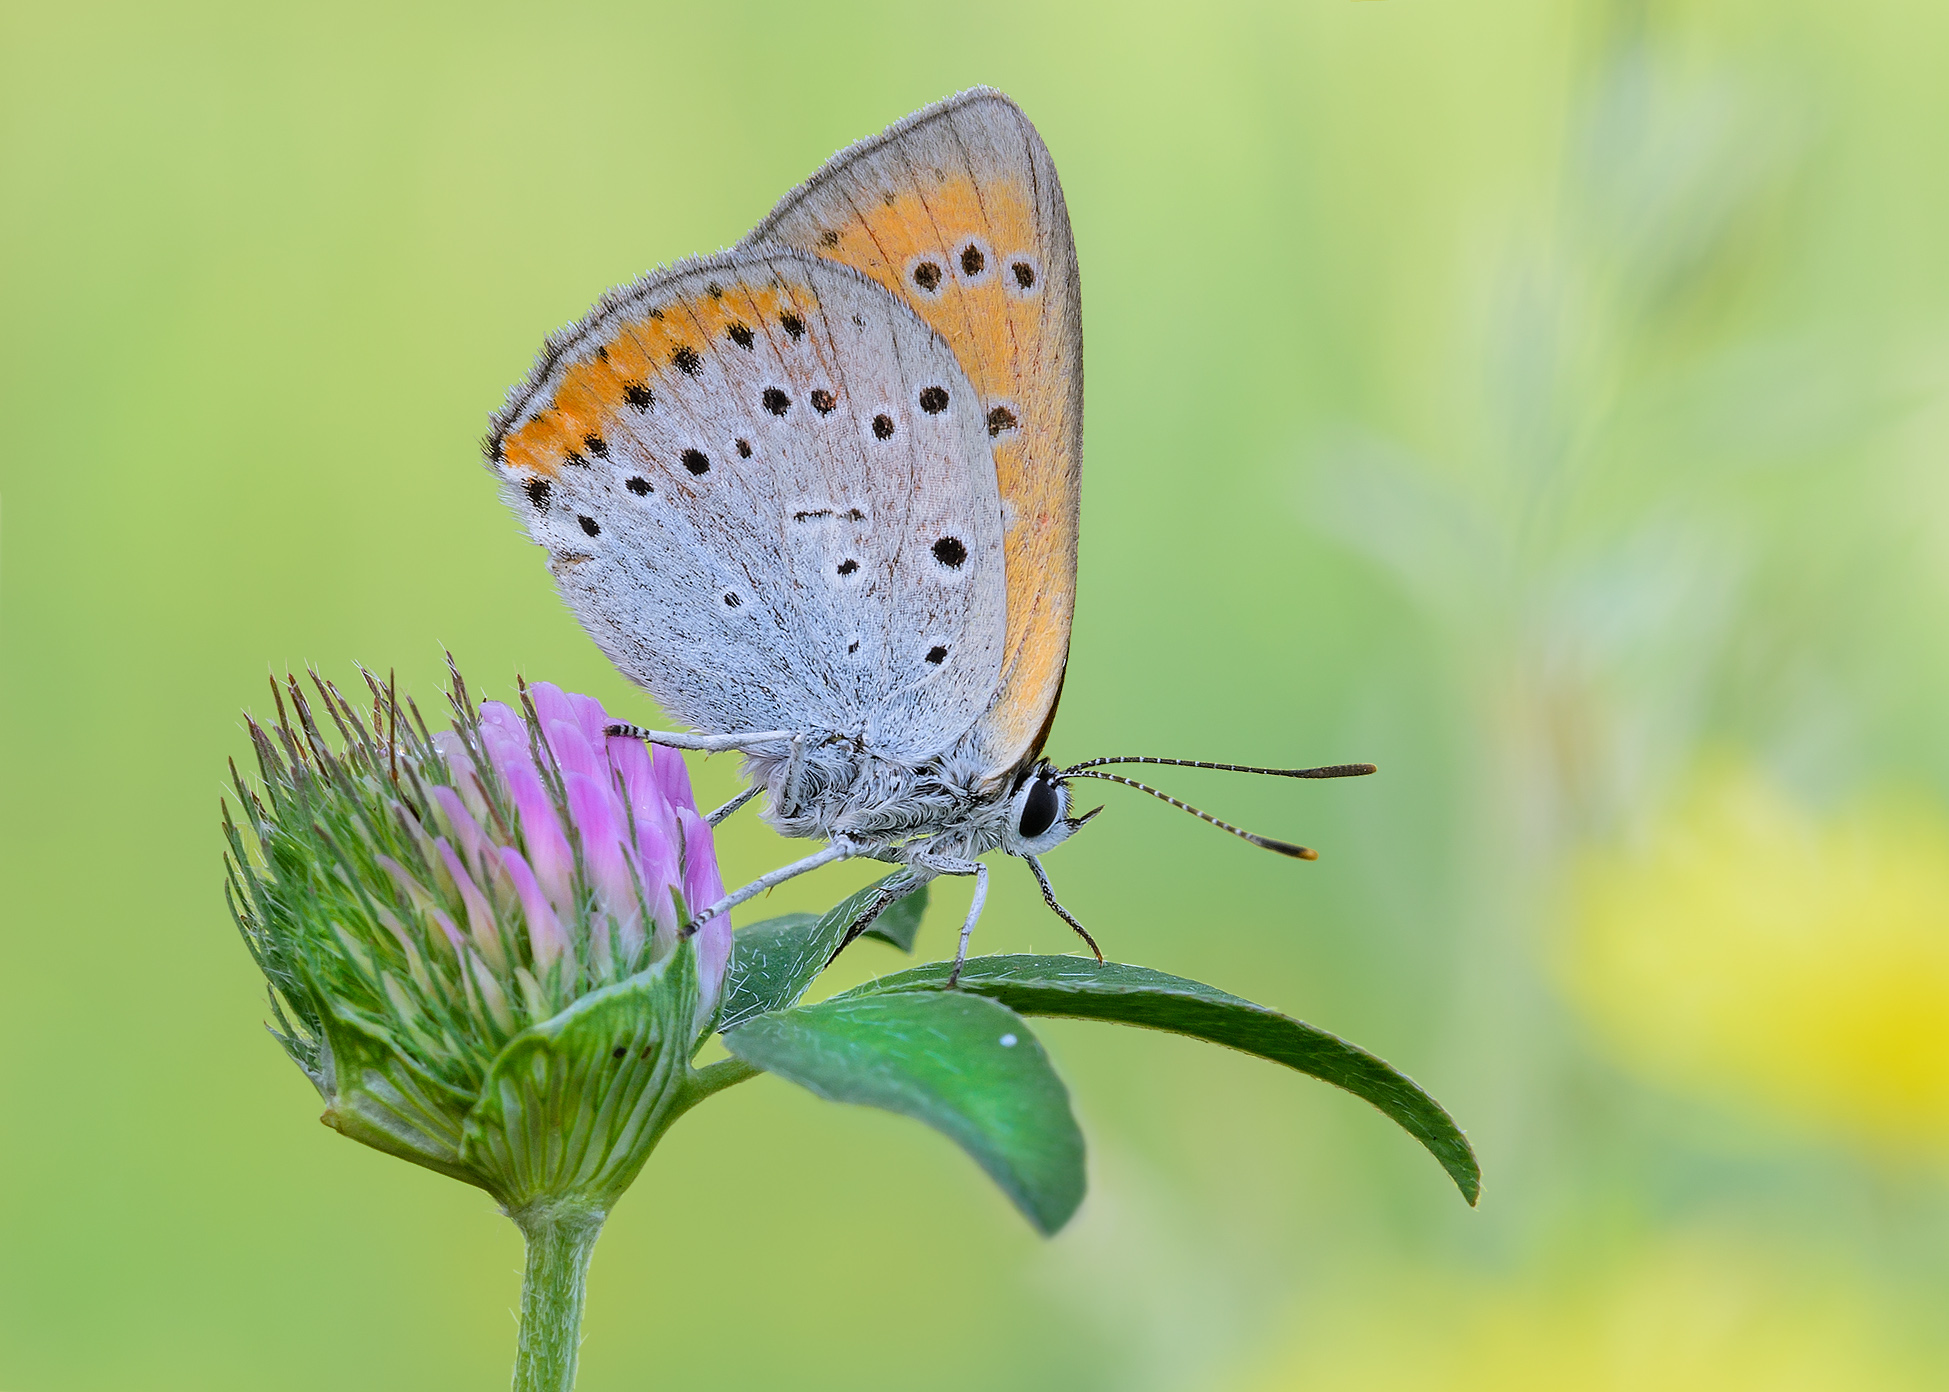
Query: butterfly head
{"points": [[1038, 812]]}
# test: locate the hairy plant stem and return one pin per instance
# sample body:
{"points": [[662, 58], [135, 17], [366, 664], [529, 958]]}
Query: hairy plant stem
{"points": [[561, 1238]]}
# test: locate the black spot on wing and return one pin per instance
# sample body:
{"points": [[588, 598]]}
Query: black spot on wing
{"points": [[589, 526], [950, 552], [933, 400], [776, 401], [696, 461], [537, 491]]}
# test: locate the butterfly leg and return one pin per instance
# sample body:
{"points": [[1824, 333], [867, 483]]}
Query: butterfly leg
{"points": [[708, 744], [840, 849], [948, 865], [733, 805], [1049, 898], [967, 926]]}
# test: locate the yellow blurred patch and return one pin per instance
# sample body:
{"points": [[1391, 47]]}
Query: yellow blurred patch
{"points": [[1758, 953], [1685, 1315]]}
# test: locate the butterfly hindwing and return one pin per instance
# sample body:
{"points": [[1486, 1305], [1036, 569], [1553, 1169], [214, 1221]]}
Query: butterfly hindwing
{"points": [[765, 490], [958, 212]]}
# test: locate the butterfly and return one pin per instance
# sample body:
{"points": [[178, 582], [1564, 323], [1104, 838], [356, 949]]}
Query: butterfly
{"points": [[818, 495]]}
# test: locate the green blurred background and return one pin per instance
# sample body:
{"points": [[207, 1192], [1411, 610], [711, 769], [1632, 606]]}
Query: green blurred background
{"points": [[1544, 400]]}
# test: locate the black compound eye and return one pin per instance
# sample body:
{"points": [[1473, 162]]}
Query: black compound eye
{"points": [[1039, 809]]}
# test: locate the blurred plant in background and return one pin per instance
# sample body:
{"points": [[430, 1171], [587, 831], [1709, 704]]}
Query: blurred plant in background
{"points": [[1586, 547], [1752, 953], [1617, 550], [1692, 1313]]}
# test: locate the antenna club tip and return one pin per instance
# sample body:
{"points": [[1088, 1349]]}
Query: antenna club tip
{"points": [[1284, 848]]}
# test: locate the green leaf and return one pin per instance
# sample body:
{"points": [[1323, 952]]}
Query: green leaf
{"points": [[1086, 990], [966, 1066], [774, 961], [574, 1105], [898, 923]]}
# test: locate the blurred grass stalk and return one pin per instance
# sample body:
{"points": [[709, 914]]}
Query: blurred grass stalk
{"points": [[1609, 553], [1586, 546]]}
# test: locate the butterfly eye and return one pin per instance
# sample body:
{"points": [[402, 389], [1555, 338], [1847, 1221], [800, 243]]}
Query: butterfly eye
{"points": [[1039, 809]]}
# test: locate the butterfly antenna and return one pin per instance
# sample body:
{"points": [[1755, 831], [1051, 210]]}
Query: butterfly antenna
{"points": [[1326, 771], [1285, 848], [1049, 898]]}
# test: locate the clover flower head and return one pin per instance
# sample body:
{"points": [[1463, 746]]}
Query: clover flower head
{"points": [[430, 908]]}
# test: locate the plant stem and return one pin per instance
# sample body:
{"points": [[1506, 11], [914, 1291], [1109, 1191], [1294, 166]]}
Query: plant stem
{"points": [[561, 1238]]}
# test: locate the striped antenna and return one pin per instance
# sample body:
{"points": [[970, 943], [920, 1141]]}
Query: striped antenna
{"points": [[1285, 848], [1327, 771]]}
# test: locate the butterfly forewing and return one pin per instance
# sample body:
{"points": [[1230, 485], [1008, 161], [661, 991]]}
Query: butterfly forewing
{"points": [[957, 211], [764, 486]]}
